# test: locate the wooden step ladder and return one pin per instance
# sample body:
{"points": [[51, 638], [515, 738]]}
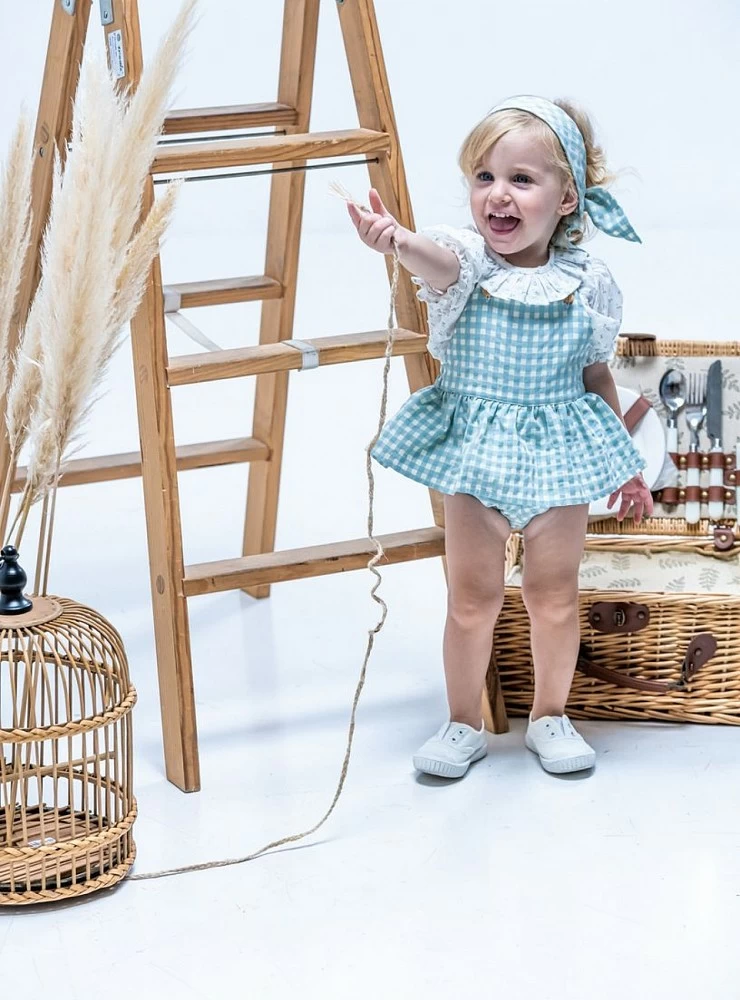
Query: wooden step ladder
{"points": [[292, 145]]}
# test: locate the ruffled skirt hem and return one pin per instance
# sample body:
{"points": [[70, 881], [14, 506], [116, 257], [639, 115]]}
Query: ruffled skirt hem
{"points": [[550, 454]]}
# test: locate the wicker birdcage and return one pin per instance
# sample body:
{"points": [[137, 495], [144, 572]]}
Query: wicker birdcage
{"points": [[66, 800]]}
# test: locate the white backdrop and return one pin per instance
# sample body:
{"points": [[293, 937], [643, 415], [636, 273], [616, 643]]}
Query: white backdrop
{"points": [[660, 79]]}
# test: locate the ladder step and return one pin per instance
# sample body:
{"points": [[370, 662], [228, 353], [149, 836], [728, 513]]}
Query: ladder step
{"points": [[235, 116], [316, 560], [187, 369], [102, 468], [244, 152], [222, 291]]}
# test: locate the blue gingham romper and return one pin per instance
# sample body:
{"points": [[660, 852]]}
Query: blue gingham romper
{"points": [[508, 420]]}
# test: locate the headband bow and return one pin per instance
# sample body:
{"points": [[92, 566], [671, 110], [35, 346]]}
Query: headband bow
{"points": [[603, 208]]}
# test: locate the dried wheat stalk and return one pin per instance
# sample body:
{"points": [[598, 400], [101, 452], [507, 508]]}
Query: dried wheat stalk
{"points": [[95, 259], [15, 233]]}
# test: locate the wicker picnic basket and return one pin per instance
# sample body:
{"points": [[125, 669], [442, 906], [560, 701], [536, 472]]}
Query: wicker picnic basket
{"points": [[659, 602]]}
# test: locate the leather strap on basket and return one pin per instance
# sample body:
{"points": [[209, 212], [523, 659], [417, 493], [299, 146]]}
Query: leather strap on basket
{"points": [[700, 650], [636, 412]]}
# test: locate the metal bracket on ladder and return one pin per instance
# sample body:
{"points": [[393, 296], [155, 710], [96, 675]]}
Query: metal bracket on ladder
{"points": [[68, 6], [309, 352], [106, 12]]}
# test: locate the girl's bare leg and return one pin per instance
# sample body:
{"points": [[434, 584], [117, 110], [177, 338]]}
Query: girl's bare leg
{"points": [[553, 546], [476, 538]]}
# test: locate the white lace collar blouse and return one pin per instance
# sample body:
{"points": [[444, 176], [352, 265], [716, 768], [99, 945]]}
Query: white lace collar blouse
{"points": [[568, 270]]}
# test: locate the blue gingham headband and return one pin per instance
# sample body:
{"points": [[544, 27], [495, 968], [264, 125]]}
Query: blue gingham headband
{"points": [[603, 208]]}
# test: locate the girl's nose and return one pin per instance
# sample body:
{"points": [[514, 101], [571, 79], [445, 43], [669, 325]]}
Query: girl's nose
{"points": [[498, 195]]}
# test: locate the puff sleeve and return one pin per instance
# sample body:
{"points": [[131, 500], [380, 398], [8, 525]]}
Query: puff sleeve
{"points": [[602, 299], [444, 308]]}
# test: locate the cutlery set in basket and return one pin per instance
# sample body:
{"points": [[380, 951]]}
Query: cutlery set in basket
{"points": [[659, 601]]}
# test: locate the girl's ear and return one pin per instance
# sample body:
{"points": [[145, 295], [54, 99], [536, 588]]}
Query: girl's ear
{"points": [[569, 201]]}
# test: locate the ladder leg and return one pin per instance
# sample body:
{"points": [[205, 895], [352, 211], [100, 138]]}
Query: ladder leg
{"points": [[493, 706], [53, 124], [375, 111], [164, 535], [295, 88], [159, 476], [388, 175]]}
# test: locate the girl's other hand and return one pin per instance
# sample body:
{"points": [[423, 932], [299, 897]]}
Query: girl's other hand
{"points": [[376, 228], [633, 492]]}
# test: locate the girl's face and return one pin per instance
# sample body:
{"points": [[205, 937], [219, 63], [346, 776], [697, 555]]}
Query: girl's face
{"points": [[516, 180]]}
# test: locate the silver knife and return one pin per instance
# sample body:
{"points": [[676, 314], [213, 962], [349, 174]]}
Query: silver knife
{"points": [[714, 430]]}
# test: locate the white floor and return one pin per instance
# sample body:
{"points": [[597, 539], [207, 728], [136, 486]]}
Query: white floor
{"points": [[624, 881]]}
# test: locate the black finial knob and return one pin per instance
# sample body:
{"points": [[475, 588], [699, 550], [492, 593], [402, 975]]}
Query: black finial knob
{"points": [[12, 581]]}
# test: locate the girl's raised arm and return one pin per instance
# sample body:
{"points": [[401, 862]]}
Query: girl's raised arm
{"points": [[378, 229]]}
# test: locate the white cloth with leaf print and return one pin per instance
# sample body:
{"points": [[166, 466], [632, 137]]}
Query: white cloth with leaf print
{"points": [[657, 572]]}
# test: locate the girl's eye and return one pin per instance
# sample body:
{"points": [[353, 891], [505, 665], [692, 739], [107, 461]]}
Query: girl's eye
{"points": [[523, 176]]}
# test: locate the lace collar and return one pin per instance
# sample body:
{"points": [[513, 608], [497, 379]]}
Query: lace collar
{"points": [[562, 274]]}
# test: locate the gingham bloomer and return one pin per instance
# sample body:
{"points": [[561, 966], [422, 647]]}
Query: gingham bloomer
{"points": [[509, 420]]}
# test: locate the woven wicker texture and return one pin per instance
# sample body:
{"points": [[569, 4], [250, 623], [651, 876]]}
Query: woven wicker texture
{"points": [[66, 800], [655, 653]]}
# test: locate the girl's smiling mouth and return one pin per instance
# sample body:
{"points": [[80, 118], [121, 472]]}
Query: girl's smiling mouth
{"points": [[505, 224]]}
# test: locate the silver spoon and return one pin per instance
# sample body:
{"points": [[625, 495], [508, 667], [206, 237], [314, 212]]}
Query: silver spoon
{"points": [[672, 391]]}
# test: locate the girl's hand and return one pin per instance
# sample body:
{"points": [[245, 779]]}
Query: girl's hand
{"points": [[377, 228], [633, 492]]}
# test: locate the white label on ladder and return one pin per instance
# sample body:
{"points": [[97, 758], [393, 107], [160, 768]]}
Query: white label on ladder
{"points": [[115, 54]]}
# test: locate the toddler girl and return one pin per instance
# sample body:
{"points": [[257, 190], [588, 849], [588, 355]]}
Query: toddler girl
{"points": [[522, 429]]}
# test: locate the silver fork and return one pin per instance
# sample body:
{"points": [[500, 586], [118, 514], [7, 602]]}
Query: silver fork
{"points": [[695, 412]]}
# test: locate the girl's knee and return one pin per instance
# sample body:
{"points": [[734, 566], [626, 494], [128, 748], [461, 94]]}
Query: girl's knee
{"points": [[553, 600], [471, 606]]}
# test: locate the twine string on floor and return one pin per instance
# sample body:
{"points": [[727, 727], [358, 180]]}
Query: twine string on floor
{"points": [[379, 554]]}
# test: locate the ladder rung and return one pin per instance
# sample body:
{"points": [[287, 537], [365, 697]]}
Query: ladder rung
{"points": [[188, 369], [102, 468], [221, 291], [317, 560], [233, 116], [244, 152]]}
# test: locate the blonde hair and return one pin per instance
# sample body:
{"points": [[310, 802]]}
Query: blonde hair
{"points": [[488, 131]]}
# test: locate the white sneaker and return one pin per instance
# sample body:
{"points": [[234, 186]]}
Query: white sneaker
{"points": [[452, 749], [559, 746]]}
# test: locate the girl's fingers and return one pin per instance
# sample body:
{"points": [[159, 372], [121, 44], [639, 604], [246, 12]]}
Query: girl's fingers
{"points": [[642, 501], [381, 228], [361, 221], [371, 226], [373, 229], [376, 204], [354, 212]]}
